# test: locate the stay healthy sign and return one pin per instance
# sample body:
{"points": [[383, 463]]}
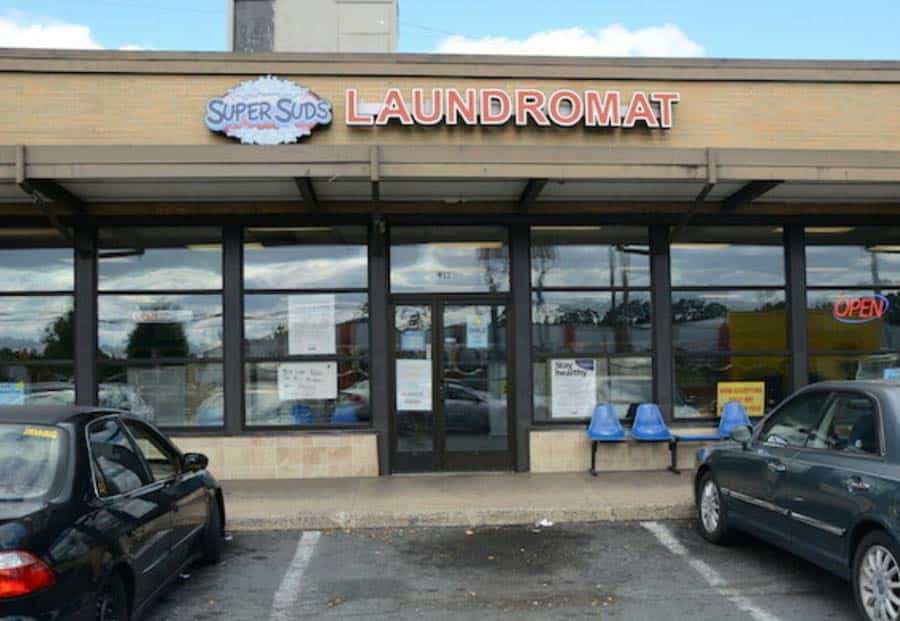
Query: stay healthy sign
{"points": [[271, 111]]}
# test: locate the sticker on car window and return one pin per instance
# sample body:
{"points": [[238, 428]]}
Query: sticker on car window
{"points": [[47, 434]]}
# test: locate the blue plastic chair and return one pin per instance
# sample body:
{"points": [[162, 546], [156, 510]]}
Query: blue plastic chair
{"points": [[733, 415], [344, 415], [604, 427], [649, 426], [302, 415]]}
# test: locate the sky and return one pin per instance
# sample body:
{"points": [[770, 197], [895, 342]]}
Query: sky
{"points": [[822, 29]]}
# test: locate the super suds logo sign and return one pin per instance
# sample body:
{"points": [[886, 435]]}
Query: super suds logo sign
{"points": [[267, 111]]}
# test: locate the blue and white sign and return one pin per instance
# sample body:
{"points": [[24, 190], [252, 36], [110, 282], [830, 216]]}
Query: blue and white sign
{"points": [[267, 111], [12, 393], [477, 326]]}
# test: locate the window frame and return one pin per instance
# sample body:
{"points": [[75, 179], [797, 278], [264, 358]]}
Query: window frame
{"points": [[537, 356], [246, 361], [159, 441]]}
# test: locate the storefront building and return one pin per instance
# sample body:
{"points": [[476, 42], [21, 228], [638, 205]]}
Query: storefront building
{"points": [[378, 264]]}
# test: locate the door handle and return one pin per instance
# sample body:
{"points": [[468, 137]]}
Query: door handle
{"points": [[777, 466], [855, 484]]}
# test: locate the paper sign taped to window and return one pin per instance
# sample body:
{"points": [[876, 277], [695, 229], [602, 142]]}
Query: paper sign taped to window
{"points": [[414, 385], [307, 380], [12, 393], [752, 395], [311, 328], [573, 388]]}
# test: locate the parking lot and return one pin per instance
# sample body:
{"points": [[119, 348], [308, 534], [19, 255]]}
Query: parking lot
{"points": [[657, 570]]}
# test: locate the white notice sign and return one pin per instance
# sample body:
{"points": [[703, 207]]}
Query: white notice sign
{"points": [[307, 380], [573, 386], [414, 385], [311, 324]]}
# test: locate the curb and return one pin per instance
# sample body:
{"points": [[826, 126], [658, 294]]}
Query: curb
{"points": [[501, 517]]}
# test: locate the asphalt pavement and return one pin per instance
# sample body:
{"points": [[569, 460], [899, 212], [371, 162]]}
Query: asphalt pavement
{"points": [[633, 571]]}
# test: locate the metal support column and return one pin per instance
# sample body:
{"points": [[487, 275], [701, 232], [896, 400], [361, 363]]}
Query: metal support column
{"points": [[663, 369], [798, 340], [85, 314], [379, 323], [233, 324], [520, 312]]}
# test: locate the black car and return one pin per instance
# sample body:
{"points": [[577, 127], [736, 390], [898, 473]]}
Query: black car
{"points": [[820, 477], [98, 512]]}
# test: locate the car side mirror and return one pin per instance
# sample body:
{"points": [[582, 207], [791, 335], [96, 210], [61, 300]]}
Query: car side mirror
{"points": [[742, 434], [194, 462]]}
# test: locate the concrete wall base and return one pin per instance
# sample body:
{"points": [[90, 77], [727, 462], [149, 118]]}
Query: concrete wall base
{"points": [[569, 450], [298, 456]]}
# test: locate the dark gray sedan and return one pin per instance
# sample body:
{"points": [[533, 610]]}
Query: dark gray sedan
{"points": [[819, 476]]}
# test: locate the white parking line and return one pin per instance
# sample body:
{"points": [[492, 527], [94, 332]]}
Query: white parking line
{"points": [[712, 577], [289, 589]]}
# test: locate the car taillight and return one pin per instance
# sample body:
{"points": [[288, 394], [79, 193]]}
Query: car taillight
{"points": [[22, 573]]}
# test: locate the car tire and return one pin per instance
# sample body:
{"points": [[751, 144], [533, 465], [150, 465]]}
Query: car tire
{"points": [[213, 543], [711, 516], [112, 601], [876, 559]]}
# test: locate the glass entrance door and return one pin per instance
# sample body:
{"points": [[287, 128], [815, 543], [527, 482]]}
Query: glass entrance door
{"points": [[451, 381]]}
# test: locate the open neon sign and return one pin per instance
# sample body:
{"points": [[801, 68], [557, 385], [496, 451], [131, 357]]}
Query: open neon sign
{"points": [[860, 309]]}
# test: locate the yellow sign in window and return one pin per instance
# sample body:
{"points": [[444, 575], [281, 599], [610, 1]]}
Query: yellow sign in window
{"points": [[752, 395]]}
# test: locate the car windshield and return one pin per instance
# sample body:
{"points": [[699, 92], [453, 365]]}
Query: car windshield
{"points": [[30, 456]]}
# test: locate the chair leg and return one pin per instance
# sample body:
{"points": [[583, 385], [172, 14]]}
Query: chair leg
{"points": [[594, 458], [673, 451]]}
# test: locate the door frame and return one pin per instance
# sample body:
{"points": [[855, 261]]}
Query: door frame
{"points": [[437, 302]]}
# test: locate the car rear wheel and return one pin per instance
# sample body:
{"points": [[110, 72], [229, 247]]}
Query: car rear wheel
{"points": [[711, 510], [112, 601], [876, 577], [213, 542]]}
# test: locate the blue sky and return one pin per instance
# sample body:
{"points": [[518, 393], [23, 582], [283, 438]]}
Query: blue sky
{"points": [[864, 29]]}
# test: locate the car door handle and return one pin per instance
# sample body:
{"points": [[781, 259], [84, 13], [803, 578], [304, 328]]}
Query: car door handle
{"points": [[777, 466], [855, 484]]}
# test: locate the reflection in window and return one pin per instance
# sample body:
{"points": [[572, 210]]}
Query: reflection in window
{"points": [[169, 395], [591, 313], [160, 326], [624, 382], [728, 256], [571, 256], [697, 379], [729, 320], [159, 258], [306, 258], [849, 256], [306, 346], [728, 298], [449, 259], [148, 337], [37, 316]]}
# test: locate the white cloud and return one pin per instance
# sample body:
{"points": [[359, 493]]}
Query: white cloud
{"points": [[614, 40], [16, 30]]}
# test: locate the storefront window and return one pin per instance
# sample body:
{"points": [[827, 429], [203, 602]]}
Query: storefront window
{"points": [[591, 313], [37, 318], [853, 302], [729, 321], [306, 327], [160, 322], [449, 259]]}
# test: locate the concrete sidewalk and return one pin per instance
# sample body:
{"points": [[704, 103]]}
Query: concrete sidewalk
{"points": [[456, 500]]}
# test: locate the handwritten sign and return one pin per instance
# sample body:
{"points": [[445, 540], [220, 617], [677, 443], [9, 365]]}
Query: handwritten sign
{"points": [[307, 380]]}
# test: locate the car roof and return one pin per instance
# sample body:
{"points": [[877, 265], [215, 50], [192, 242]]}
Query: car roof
{"points": [[48, 414]]}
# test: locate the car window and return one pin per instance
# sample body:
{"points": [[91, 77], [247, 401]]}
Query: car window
{"points": [[793, 423], [32, 459], [118, 468], [848, 426], [162, 460]]}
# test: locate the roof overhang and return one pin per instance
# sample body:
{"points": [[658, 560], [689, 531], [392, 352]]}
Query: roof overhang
{"points": [[449, 174]]}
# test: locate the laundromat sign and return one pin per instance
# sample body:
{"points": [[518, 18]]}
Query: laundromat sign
{"points": [[271, 111]]}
